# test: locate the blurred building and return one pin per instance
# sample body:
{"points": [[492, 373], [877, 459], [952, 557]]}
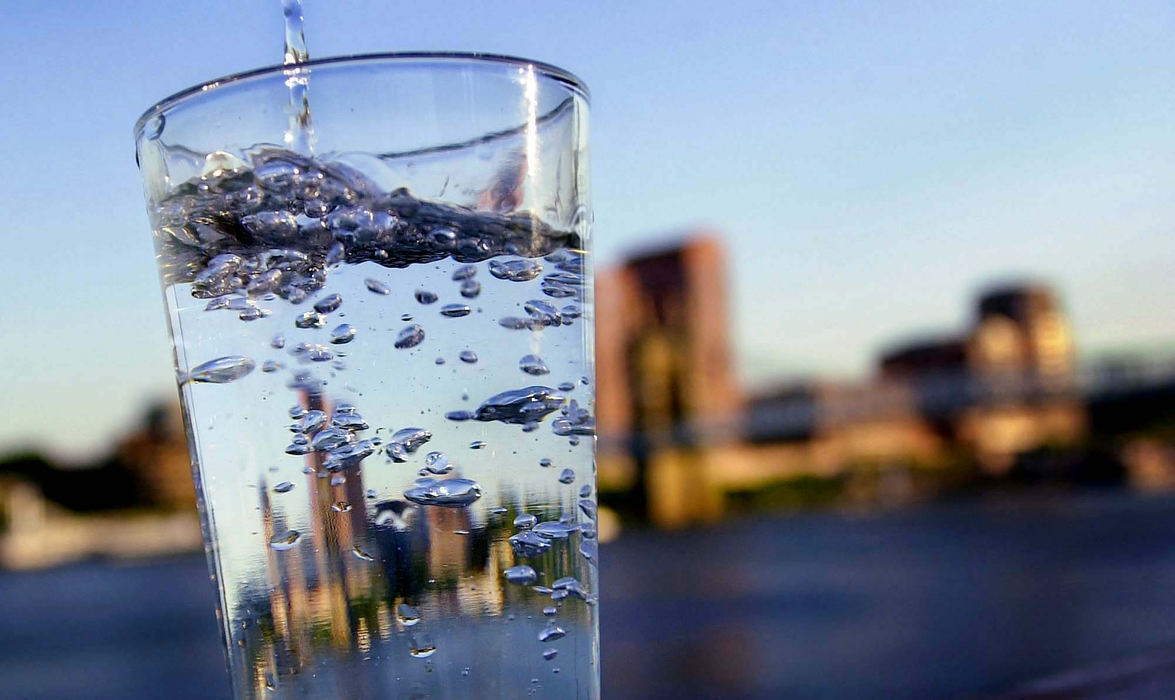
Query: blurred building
{"points": [[1005, 386], [156, 455], [676, 435], [668, 399]]}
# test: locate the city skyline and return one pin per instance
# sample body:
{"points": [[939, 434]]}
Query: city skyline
{"points": [[871, 167]]}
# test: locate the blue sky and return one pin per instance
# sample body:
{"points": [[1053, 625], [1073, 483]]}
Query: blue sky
{"points": [[871, 164]]}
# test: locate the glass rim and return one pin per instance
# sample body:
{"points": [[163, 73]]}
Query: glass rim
{"points": [[548, 70]]}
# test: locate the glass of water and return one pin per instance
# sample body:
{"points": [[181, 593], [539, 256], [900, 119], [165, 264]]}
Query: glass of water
{"points": [[378, 287]]}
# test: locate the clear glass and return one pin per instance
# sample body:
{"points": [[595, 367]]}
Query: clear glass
{"points": [[382, 323]]}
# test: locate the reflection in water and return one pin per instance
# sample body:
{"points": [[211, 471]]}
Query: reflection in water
{"points": [[420, 592]]}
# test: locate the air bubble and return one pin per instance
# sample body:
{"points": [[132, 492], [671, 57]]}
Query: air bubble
{"points": [[410, 337], [285, 540], [222, 370], [533, 365], [455, 310], [377, 287], [521, 575], [328, 303], [451, 493], [342, 334]]}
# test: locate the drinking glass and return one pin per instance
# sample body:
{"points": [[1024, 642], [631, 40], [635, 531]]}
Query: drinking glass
{"points": [[378, 287]]}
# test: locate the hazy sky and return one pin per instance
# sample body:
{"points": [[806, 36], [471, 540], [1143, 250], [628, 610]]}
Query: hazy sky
{"points": [[870, 163]]}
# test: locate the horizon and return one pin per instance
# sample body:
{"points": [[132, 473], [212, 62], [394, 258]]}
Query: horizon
{"points": [[870, 168]]}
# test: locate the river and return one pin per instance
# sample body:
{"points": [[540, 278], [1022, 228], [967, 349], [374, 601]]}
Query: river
{"points": [[968, 597]]}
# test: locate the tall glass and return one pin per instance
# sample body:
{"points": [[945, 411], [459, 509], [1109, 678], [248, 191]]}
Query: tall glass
{"points": [[379, 293]]}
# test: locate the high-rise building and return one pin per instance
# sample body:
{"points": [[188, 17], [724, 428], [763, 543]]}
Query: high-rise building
{"points": [[666, 386]]}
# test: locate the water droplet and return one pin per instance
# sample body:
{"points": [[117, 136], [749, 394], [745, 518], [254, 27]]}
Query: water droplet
{"points": [[589, 549], [467, 356], [519, 406], [464, 272], [542, 313], [252, 314], [534, 365], [515, 270], [270, 366], [550, 611], [329, 439], [297, 411], [521, 575], [554, 530], [222, 370], [358, 552], [477, 445], [284, 487], [328, 303], [310, 319], [459, 416], [525, 521], [552, 632], [410, 337], [549, 654], [585, 490], [348, 420], [296, 449], [422, 650], [371, 493], [561, 285], [319, 353], [588, 507], [527, 544], [545, 462], [278, 342], [285, 540], [343, 333], [566, 386], [407, 615], [566, 476], [439, 361], [569, 586], [377, 287], [450, 492], [455, 310], [470, 289], [410, 439], [340, 506], [337, 480], [312, 420], [437, 463], [425, 297]]}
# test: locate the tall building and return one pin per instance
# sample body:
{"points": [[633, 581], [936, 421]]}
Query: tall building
{"points": [[666, 387], [1006, 385], [157, 455]]}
